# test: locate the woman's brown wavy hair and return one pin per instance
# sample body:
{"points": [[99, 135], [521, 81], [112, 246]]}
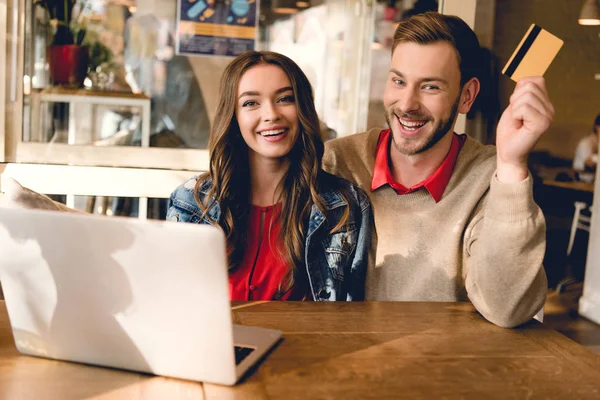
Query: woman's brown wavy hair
{"points": [[229, 170]]}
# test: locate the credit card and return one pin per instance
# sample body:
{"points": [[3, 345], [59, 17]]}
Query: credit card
{"points": [[533, 55]]}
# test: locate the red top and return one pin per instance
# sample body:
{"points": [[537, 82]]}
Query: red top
{"points": [[262, 269], [435, 184]]}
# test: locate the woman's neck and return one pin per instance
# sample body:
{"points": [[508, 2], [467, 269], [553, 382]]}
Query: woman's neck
{"points": [[265, 177]]}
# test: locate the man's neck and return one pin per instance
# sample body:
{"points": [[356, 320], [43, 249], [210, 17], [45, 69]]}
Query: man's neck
{"points": [[410, 170], [265, 176]]}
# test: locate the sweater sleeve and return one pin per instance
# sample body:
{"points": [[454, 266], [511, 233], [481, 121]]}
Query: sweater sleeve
{"points": [[504, 249]]}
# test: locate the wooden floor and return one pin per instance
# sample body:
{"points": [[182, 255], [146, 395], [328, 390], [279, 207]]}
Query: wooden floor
{"points": [[560, 313]]}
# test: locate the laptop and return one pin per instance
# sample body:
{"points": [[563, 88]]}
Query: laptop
{"points": [[148, 296]]}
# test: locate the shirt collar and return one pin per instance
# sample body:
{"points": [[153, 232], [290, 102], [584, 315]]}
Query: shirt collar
{"points": [[435, 184]]}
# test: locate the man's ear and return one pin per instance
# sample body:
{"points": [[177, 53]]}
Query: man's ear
{"points": [[469, 92]]}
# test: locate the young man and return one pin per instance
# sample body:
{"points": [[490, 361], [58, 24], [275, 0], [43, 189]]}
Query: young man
{"points": [[454, 219]]}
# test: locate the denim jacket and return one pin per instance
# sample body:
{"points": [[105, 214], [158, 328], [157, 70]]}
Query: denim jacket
{"points": [[336, 263]]}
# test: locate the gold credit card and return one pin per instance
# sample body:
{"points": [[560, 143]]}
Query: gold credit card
{"points": [[533, 55]]}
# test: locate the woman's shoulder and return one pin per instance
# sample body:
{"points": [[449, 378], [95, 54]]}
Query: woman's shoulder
{"points": [[183, 206], [334, 187], [185, 192]]}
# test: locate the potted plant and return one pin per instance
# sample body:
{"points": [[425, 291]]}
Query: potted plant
{"points": [[101, 65], [67, 57]]}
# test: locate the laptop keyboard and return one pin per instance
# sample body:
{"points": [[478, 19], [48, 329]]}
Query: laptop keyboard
{"points": [[241, 353]]}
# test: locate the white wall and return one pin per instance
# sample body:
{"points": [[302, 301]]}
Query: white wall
{"points": [[589, 304]]}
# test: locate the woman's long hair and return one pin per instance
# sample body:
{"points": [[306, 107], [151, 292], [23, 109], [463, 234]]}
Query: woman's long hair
{"points": [[230, 175]]}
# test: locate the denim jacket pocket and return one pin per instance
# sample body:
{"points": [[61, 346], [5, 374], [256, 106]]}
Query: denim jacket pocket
{"points": [[338, 249]]}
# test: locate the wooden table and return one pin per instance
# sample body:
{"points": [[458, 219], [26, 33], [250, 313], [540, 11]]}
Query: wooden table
{"points": [[348, 350], [573, 185]]}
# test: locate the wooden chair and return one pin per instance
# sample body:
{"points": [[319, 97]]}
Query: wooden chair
{"points": [[97, 181]]}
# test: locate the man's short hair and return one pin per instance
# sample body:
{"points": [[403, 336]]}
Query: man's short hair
{"points": [[431, 27], [597, 121]]}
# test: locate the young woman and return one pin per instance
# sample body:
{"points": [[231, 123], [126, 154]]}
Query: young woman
{"points": [[293, 231]]}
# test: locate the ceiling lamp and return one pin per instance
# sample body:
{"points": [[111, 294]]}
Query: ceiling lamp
{"points": [[590, 13]]}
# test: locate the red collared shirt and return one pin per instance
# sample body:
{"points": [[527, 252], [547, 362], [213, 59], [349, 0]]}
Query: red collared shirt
{"points": [[435, 184]]}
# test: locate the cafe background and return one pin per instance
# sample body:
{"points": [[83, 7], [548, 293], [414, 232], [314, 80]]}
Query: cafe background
{"points": [[140, 126]]}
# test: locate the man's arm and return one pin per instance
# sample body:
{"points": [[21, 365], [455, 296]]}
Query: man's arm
{"points": [[506, 243], [504, 250]]}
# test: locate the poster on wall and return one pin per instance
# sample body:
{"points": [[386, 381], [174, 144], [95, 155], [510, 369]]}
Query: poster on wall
{"points": [[216, 27]]}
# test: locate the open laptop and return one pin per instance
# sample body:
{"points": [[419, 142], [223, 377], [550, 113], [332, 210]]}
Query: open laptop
{"points": [[146, 296]]}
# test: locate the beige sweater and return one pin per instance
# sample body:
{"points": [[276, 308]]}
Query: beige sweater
{"points": [[484, 241]]}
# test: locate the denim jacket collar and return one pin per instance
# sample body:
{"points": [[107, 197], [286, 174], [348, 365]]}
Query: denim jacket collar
{"points": [[332, 199]]}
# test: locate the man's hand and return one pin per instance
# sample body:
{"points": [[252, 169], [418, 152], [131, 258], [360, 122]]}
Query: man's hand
{"points": [[526, 118]]}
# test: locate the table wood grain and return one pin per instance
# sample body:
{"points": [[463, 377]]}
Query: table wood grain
{"points": [[573, 185], [372, 350]]}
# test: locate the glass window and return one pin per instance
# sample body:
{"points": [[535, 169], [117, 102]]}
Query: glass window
{"points": [[141, 106]]}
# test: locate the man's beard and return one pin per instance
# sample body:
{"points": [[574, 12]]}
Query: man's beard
{"points": [[443, 127]]}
